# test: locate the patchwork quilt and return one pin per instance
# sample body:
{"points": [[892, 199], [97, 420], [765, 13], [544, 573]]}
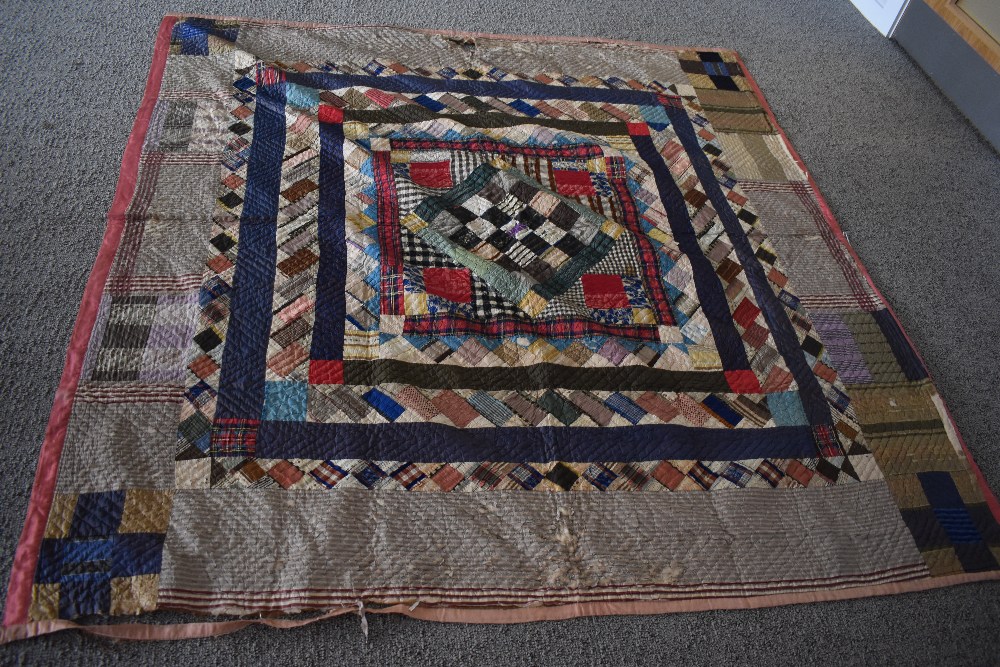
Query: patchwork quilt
{"points": [[477, 328]]}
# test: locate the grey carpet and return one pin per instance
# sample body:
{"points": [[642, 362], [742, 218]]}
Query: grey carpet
{"points": [[913, 185]]}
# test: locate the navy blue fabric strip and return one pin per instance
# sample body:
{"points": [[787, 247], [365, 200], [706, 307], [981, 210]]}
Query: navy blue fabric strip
{"points": [[408, 83], [815, 404], [711, 295], [907, 358], [328, 330], [428, 442], [940, 490], [244, 360]]}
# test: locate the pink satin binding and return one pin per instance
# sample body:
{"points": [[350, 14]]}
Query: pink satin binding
{"points": [[497, 615], [26, 557]]}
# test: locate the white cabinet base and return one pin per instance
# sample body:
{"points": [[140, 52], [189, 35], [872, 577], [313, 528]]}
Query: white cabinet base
{"points": [[882, 14]]}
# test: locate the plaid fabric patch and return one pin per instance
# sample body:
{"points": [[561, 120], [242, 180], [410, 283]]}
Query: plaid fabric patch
{"points": [[827, 441], [702, 475], [526, 242], [368, 473], [737, 474], [328, 474], [235, 436], [525, 476], [489, 475], [771, 473], [631, 476], [600, 476], [408, 475]]}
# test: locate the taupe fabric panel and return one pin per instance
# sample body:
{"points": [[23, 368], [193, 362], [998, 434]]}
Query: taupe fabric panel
{"points": [[175, 246], [116, 446], [416, 49], [212, 73], [807, 261], [185, 192], [254, 540], [782, 211]]}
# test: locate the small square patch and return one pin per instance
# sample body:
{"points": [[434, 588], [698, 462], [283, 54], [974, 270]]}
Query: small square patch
{"points": [[604, 291]]}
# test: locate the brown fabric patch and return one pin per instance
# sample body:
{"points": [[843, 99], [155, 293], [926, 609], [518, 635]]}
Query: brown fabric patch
{"points": [[298, 262], [134, 595], [61, 515], [44, 602], [145, 511]]}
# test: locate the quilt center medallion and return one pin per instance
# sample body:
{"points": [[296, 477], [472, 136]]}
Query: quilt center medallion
{"points": [[452, 302], [524, 241]]}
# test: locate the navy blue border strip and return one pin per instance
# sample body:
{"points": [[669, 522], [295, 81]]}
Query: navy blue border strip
{"points": [[428, 442], [813, 400], [907, 358], [711, 295], [244, 359], [331, 300], [241, 387]]}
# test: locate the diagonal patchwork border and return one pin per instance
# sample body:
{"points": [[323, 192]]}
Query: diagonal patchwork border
{"points": [[246, 390]]}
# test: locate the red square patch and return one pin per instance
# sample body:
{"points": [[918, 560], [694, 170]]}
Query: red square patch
{"points": [[743, 382], [799, 472], [602, 291], [326, 371], [329, 114], [447, 478], [668, 475], [638, 129], [746, 313], [431, 174], [285, 474], [452, 284], [573, 183]]}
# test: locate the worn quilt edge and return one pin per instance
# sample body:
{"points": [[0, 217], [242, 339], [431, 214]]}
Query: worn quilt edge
{"points": [[489, 615], [572, 39], [15, 625], [43, 489]]}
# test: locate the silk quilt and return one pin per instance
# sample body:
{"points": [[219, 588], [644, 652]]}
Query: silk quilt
{"points": [[477, 328]]}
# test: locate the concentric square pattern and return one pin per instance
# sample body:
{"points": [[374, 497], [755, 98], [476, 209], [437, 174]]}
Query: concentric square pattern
{"points": [[465, 304], [365, 270]]}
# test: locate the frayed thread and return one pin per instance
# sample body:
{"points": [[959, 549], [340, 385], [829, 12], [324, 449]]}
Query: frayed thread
{"points": [[364, 619]]}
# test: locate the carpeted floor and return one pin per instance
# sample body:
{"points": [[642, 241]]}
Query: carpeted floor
{"points": [[910, 181]]}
